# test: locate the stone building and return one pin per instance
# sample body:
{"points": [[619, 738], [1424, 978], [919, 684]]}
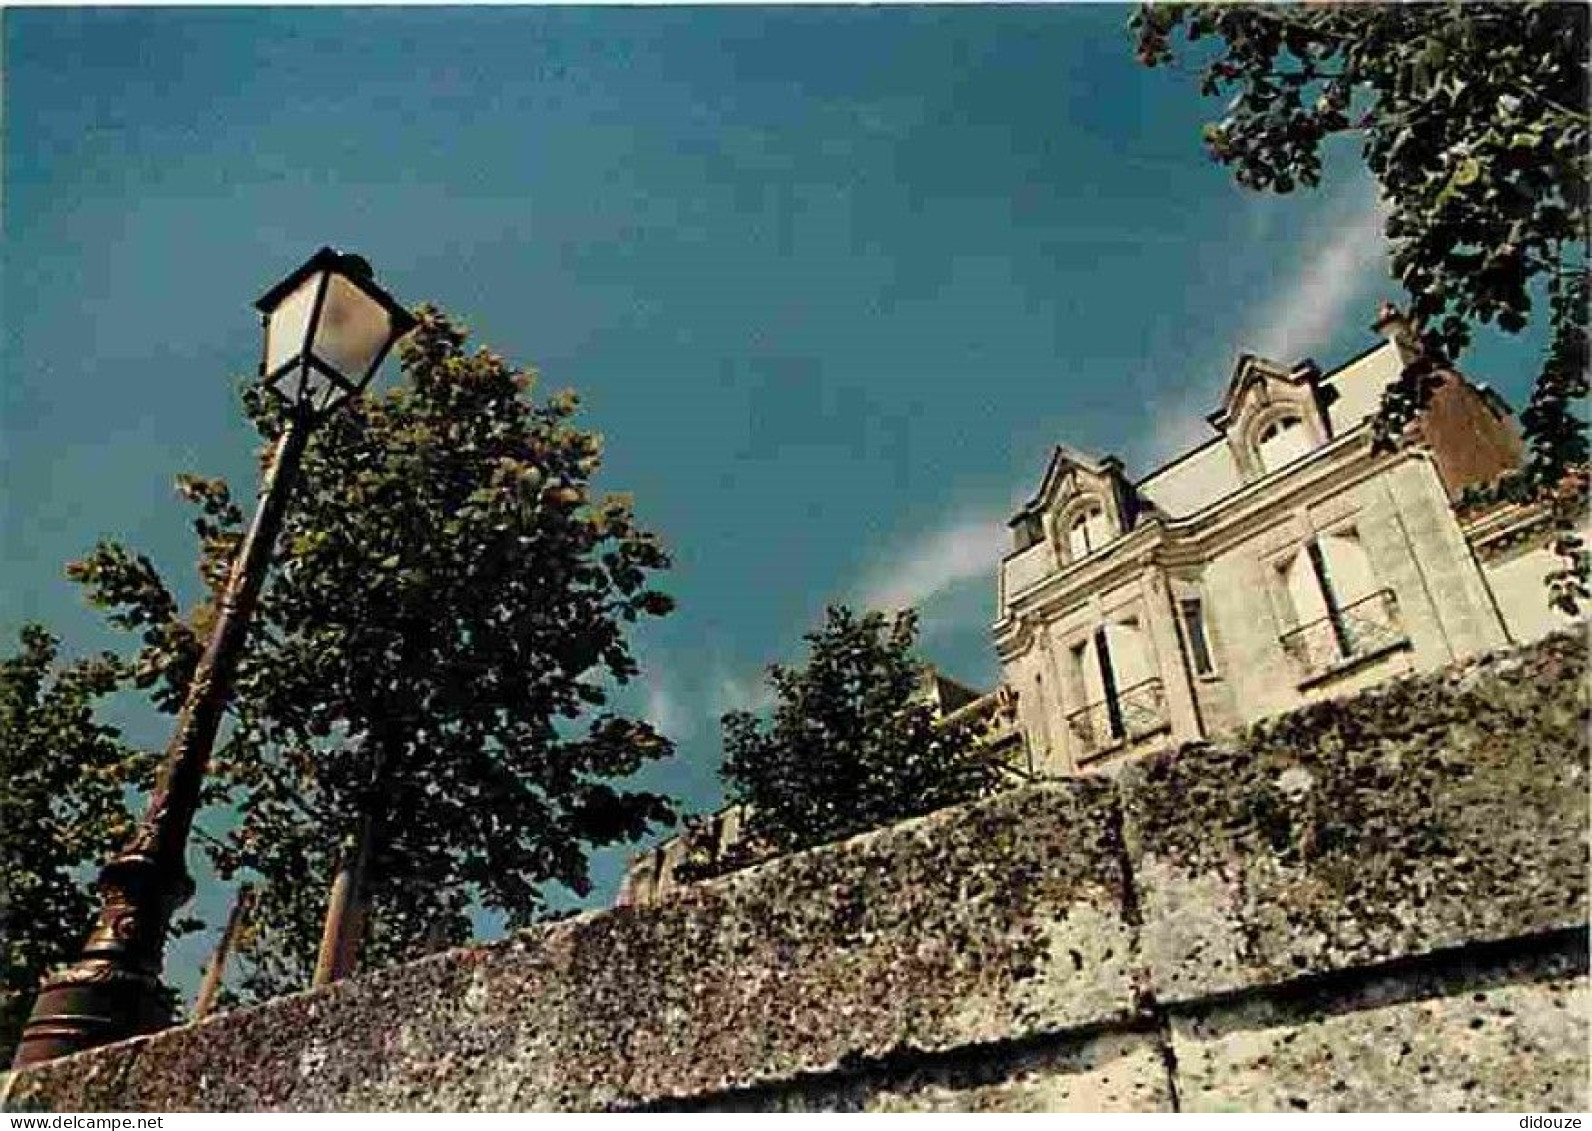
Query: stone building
{"points": [[1278, 562]]}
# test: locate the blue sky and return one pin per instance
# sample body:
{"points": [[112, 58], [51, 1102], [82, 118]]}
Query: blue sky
{"points": [[831, 281]]}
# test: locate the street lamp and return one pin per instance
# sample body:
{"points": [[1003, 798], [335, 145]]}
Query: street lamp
{"points": [[328, 327]]}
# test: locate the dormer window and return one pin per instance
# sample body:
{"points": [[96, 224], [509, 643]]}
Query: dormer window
{"points": [[1272, 416], [1082, 505], [1281, 442], [1087, 532]]}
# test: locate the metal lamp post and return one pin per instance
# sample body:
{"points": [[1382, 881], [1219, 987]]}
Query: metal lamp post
{"points": [[328, 327]]}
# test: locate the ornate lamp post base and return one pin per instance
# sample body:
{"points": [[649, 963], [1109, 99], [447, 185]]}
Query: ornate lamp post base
{"points": [[113, 990], [90, 1004]]}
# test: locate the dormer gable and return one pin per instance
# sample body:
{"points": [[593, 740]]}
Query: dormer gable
{"points": [[1082, 504], [1271, 414]]}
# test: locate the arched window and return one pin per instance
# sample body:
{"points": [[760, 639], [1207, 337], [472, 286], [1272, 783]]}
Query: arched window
{"points": [[1330, 594], [1131, 656], [1333, 572], [1114, 675], [1087, 532], [1348, 569], [1328, 574], [1281, 442], [1307, 595]]}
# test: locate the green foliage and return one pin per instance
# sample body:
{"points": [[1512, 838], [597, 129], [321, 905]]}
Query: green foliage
{"points": [[1473, 120], [852, 744], [436, 645], [62, 809]]}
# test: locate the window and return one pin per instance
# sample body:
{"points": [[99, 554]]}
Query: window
{"points": [[1345, 566], [1199, 650], [1113, 674], [1326, 575], [1130, 652], [1078, 537], [1281, 442], [1087, 532], [1333, 601], [1084, 673], [1117, 657], [1305, 601], [1096, 674]]}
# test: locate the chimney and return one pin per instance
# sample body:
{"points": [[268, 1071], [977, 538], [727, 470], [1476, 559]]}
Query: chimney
{"points": [[1471, 442], [1392, 325]]}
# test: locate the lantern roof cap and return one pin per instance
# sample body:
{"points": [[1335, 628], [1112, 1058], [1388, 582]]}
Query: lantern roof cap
{"points": [[355, 268]]}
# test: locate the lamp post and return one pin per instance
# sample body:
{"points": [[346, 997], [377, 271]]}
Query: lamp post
{"points": [[328, 327]]}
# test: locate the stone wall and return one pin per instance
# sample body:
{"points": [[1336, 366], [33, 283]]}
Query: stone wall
{"points": [[1371, 904]]}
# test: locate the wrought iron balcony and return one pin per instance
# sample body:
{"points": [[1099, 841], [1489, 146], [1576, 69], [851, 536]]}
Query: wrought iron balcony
{"points": [[1133, 713], [1366, 627]]}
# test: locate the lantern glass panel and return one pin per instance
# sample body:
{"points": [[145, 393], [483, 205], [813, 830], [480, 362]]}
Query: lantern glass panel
{"points": [[318, 390], [352, 331], [288, 324]]}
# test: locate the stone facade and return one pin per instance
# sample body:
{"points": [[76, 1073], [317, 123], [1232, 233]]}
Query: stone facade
{"points": [[1367, 904], [1279, 563]]}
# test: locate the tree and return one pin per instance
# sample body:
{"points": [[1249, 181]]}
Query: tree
{"points": [[62, 809], [852, 744], [1473, 120], [431, 660]]}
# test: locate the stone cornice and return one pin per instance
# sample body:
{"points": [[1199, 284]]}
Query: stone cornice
{"points": [[1498, 529]]}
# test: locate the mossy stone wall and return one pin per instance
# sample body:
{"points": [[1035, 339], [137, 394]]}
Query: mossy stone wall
{"points": [[1373, 903]]}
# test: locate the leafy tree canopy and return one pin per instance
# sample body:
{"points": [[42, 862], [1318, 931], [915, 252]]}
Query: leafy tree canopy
{"points": [[436, 646], [852, 744], [62, 809], [1473, 120]]}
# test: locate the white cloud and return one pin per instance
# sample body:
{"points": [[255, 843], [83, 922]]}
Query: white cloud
{"points": [[1341, 258], [666, 714], [932, 564], [940, 566], [1334, 272], [734, 693], [1179, 423], [970, 607]]}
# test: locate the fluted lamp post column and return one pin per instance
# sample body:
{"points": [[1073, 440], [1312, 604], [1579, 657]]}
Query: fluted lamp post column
{"points": [[328, 327]]}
